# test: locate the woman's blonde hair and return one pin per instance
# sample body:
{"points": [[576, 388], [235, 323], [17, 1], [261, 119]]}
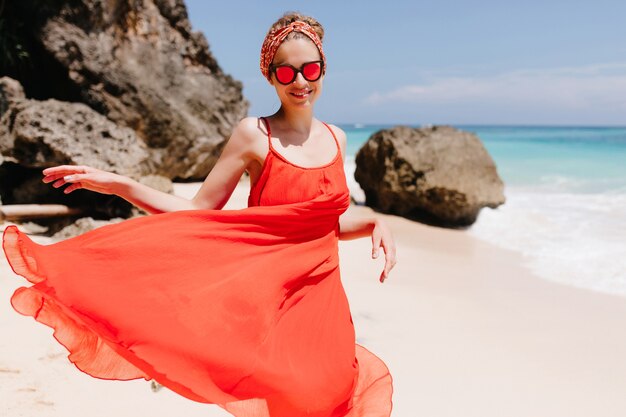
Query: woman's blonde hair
{"points": [[290, 17]]}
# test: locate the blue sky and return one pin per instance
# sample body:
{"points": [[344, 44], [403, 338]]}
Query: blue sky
{"points": [[458, 62]]}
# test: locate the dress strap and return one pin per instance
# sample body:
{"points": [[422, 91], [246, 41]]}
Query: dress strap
{"points": [[267, 127], [334, 137], [269, 133]]}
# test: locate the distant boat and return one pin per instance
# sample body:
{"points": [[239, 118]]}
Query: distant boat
{"points": [[359, 125]]}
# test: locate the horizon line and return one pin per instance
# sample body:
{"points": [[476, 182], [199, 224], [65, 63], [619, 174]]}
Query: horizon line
{"points": [[580, 126]]}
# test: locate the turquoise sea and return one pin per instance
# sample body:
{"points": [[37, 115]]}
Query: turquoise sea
{"points": [[566, 199]]}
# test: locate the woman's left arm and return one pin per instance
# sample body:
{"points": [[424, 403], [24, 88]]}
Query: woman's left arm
{"points": [[354, 228]]}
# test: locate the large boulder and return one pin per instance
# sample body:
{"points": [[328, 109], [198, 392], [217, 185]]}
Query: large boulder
{"points": [[38, 134], [439, 175], [139, 64]]}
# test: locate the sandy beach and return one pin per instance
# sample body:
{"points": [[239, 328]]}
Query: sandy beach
{"points": [[465, 328]]}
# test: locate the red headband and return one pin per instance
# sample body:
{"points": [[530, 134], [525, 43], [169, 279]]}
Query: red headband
{"points": [[276, 37]]}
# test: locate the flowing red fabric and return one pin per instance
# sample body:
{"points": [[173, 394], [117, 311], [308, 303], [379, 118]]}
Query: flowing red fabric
{"points": [[240, 308]]}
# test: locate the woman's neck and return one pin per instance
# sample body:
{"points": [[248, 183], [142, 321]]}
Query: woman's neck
{"points": [[300, 120]]}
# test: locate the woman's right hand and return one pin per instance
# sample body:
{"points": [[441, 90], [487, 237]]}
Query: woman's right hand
{"points": [[82, 176]]}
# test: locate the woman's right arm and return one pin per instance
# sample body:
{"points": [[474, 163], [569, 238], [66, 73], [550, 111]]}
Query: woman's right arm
{"points": [[213, 194]]}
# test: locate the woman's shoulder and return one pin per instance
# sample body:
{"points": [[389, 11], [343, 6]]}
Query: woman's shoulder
{"points": [[251, 128], [250, 134], [249, 137], [339, 133]]}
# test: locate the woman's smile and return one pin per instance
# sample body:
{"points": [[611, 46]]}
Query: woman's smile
{"points": [[301, 93]]}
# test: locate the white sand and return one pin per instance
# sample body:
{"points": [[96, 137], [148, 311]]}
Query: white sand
{"points": [[464, 328]]}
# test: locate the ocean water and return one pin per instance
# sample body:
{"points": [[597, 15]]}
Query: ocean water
{"points": [[566, 199]]}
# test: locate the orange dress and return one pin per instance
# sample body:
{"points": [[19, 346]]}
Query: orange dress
{"points": [[240, 308]]}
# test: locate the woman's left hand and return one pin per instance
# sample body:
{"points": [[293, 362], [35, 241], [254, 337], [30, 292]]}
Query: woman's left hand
{"points": [[381, 237]]}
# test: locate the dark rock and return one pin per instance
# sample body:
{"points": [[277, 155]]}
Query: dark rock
{"points": [[41, 134], [24, 186], [10, 91], [438, 175], [38, 134], [139, 64]]}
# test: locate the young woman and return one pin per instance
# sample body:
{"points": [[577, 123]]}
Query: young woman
{"points": [[240, 308]]}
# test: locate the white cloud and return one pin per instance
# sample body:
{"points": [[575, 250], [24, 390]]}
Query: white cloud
{"points": [[593, 87]]}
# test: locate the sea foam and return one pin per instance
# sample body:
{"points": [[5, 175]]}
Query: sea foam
{"points": [[574, 239]]}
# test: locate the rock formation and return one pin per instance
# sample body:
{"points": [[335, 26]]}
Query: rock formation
{"points": [[138, 63], [10, 91], [438, 175], [121, 85], [37, 134]]}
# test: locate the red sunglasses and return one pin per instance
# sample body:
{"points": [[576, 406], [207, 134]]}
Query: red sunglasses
{"points": [[286, 74]]}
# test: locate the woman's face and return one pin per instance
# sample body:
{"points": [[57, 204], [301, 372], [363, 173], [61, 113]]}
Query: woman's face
{"points": [[300, 93]]}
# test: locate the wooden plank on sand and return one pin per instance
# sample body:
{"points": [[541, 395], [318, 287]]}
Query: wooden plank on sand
{"points": [[35, 211]]}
